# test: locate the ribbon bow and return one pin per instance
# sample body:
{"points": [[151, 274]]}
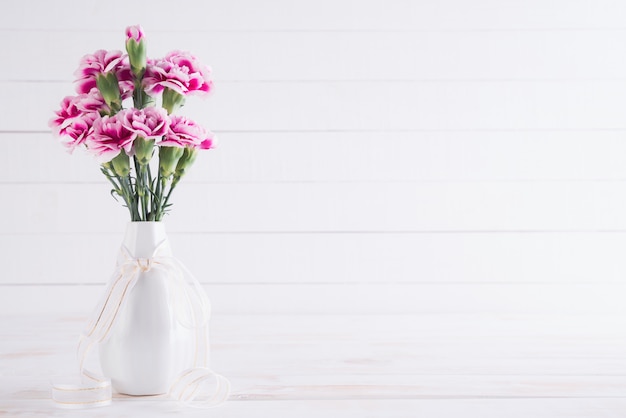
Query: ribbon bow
{"points": [[198, 386]]}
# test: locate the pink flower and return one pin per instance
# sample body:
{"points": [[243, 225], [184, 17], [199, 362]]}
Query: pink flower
{"points": [[74, 120], [64, 117], [179, 71], [110, 137], [125, 78], [79, 130], [184, 132], [91, 102], [135, 33], [148, 123], [91, 65]]}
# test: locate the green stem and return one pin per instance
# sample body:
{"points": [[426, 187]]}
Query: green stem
{"points": [[158, 197], [151, 197], [142, 177], [137, 95], [135, 195], [172, 187], [146, 197], [163, 202], [109, 177], [131, 201], [119, 188], [138, 187]]}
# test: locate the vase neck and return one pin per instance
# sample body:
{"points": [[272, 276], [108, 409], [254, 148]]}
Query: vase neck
{"points": [[142, 239]]}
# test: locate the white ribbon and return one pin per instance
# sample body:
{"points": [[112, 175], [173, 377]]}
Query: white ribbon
{"points": [[198, 386]]}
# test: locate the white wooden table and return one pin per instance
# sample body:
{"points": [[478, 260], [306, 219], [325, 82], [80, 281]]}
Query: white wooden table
{"points": [[358, 366]]}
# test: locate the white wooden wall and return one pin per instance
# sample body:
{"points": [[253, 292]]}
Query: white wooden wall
{"points": [[378, 156]]}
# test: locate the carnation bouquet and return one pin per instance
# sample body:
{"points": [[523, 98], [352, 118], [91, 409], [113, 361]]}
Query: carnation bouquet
{"points": [[124, 115]]}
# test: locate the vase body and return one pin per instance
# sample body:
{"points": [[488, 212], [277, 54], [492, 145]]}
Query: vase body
{"points": [[147, 347]]}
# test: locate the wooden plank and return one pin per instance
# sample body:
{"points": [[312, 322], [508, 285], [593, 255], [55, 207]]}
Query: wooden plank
{"points": [[350, 298], [224, 258], [368, 106], [490, 55], [394, 349], [320, 15], [374, 353], [592, 331], [412, 387], [39, 404], [352, 156], [310, 360], [331, 207]]}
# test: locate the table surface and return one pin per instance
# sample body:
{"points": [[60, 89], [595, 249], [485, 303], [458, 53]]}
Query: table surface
{"points": [[358, 366]]}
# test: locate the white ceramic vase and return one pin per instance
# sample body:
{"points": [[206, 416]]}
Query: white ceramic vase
{"points": [[147, 348]]}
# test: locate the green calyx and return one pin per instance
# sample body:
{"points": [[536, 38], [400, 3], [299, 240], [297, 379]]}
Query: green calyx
{"points": [[172, 101], [185, 161], [121, 164], [168, 160], [110, 89], [143, 150], [136, 56]]}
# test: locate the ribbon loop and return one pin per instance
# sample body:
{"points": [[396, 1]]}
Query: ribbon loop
{"points": [[200, 388], [82, 396], [144, 264]]}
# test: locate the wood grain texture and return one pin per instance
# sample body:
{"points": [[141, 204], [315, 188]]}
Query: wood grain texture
{"points": [[368, 106], [269, 157], [35, 404], [323, 15], [341, 258], [360, 365], [321, 207], [280, 56], [352, 298]]}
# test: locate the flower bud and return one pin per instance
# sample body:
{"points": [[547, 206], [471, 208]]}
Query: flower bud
{"points": [[187, 159], [110, 89], [136, 48], [135, 33], [143, 150], [168, 159], [121, 164], [107, 166]]}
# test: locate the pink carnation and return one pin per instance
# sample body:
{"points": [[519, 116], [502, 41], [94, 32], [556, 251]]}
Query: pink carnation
{"points": [[73, 122], [135, 33], [179, 71], [91, 102], [101, 62], [63, 117], [110, 136], [125, 78], [78, 131], [184, 132], [148, 123]]}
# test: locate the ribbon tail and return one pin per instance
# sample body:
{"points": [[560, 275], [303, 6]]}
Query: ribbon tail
{"points": [[80, 396], [94, 389], [200, 387]]}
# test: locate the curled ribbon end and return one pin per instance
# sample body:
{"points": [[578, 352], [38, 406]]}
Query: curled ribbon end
{"points": [[82, 396], [200, 387]]}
